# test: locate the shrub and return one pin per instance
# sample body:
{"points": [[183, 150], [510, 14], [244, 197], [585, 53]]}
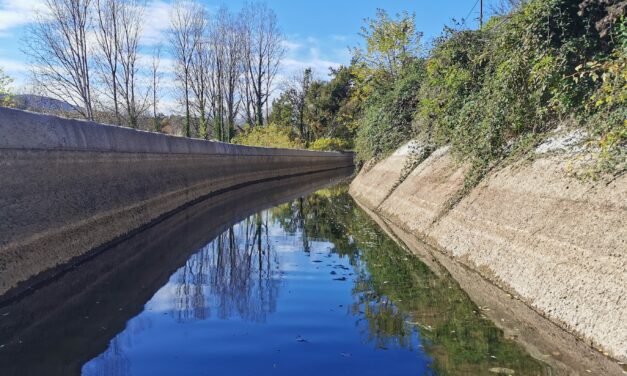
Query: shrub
{"points": [[490, 91], [606, 107], [386, 122], [268, 136], [329, 144]]}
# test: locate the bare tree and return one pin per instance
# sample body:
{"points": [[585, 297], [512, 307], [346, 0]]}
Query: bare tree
{"points": [[135, 102], [263, 52], [200, 68], [233, 68], [227, 69], [107, 55], [156, 79], [183, 44], [217, 45], [57, 44]]}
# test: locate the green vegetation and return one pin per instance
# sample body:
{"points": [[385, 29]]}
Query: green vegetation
{"points": [[496, 91], [314, 109], [5, 89], [329, 144], [386, 122], [491, 94], [389, 74], [273, 136], [399, 295], [606, 108]]}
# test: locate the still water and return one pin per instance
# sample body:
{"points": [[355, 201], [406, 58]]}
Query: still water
{"points": [[311, 286]]}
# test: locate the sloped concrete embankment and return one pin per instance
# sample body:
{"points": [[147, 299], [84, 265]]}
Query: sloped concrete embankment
{"points": [[69, 186], [556, 243]]}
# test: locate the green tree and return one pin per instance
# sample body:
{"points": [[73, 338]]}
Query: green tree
{"points": [[332, 108], [282, 112], [315, 109], [5, 89], [296, 95], [390, 43]]}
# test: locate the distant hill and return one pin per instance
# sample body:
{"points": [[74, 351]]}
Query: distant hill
{"points": [[38, 103]]}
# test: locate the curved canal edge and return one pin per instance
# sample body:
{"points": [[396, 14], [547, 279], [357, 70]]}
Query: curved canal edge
{"points": [[313, 279], [531, 231], [45, 331], [70, 186]]}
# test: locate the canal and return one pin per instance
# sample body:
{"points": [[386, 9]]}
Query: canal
{"points": [[286, 278]]}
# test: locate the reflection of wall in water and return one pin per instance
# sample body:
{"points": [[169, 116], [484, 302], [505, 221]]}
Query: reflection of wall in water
{"points": [[235, 274]]}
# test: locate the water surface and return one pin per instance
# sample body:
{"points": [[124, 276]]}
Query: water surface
{"points": [[309, 287]]}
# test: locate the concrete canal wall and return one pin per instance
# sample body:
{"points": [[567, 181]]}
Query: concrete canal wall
{"points": [[556, 243], [68, 187], [126, 275]]}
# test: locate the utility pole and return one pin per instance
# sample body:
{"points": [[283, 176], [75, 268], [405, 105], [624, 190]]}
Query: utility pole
{"points": [[481, 14]]}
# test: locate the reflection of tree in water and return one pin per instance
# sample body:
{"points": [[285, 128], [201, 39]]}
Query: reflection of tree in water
{"points": [[397, 297], [324, 216], [383, 322], [235, 274]]}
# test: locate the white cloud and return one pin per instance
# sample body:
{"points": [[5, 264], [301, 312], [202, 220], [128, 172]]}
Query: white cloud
{"points": [[319, 66], [290, 45], [15, 13], [298, 60], [167, 65], [17, 70], [13, 66], [157, 16]]}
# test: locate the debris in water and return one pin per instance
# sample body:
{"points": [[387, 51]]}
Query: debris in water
{"points": [[502, 371], [300, 339]]}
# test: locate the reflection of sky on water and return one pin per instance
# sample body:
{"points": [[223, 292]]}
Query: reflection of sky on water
{"points": [[311, 287], [251, 302]]}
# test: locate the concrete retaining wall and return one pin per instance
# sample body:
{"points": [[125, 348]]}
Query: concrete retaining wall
{"points": [[557, 243], [126, 275], [70, 186]]}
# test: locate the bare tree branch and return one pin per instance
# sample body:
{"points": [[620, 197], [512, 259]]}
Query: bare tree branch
{"points": [[57, 45]]}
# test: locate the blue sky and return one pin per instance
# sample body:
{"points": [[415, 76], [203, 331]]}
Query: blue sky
{"points": [[317, 32]]}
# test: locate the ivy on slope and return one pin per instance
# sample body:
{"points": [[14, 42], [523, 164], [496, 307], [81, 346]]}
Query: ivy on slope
{"points": [[496, 92]]}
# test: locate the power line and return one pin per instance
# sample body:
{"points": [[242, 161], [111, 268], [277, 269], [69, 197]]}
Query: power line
{"points": [[471, 9]]}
